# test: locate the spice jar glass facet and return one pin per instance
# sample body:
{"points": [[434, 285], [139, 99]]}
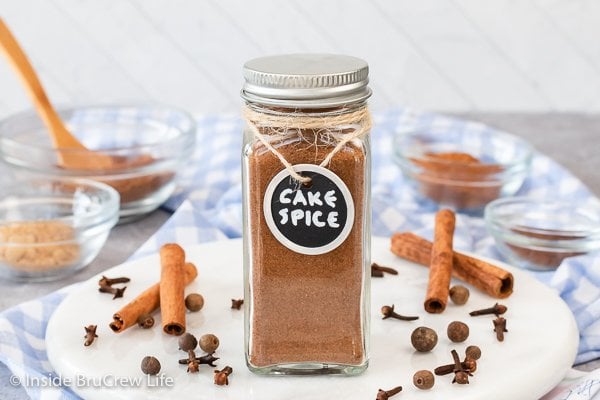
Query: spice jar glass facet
{"points": [[306, 186]]}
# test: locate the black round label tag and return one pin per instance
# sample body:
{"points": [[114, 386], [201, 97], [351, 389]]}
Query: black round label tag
{"points": [[309, 219]]}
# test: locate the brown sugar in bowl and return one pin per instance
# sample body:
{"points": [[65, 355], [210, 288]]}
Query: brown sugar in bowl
{"points": [[50, 228]]}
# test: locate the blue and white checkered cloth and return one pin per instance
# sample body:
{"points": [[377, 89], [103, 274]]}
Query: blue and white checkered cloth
{"points": [[210, 208]]}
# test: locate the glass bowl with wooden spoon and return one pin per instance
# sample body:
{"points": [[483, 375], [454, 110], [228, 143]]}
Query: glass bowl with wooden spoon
{"points": [[147, 146], [138, 150]]}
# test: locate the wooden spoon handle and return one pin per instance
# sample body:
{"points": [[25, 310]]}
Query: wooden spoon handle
{"points": [[61, 137]]}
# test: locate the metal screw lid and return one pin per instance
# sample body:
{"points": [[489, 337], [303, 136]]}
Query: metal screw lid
{"points": [[306, 80]]}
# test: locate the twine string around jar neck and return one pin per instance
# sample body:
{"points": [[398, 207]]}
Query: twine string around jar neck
{"points": [[359, 120]]}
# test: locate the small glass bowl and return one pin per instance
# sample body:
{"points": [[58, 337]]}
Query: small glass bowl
{"points": [[150, 146], [539, 234], [52, 228], [462, 168]]}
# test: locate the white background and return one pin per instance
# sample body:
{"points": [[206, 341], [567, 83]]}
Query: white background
{"points": [[448, 55]]}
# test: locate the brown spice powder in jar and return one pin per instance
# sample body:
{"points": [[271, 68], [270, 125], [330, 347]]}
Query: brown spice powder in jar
{"points": [[448, 178], [306, 308]]}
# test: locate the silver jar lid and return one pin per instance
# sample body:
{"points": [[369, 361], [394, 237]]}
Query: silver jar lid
{"points": [[306, 80]]}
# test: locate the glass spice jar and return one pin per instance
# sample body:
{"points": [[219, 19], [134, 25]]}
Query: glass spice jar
{"points": [[306, 186]]}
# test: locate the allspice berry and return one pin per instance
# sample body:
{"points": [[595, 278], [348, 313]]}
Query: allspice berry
{"points": [[473, 352], [424, 339], [458, 331], [194, 302], [209, 343], [459, 294], [145, 321], [188, 342], [150, 365], [423, 379]]}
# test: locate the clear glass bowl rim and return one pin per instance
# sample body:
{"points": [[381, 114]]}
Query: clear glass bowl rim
{"points": [[403, 158], [108, 213], [30, 113], [572, 237]]}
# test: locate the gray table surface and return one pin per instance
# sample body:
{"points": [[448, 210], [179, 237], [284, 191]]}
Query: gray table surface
{"points": [[573, 140]]}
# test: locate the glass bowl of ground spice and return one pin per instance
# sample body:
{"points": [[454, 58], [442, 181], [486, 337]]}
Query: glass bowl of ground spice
{"points": [[50, 228], [540, 234], [145, 148], [463, 168]]}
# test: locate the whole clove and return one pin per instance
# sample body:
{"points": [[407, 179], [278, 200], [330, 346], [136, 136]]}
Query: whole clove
{"points": [[193, 365], [469, 365], [188, 342], [116, 292], [90, 334], [386, 394], [461, 375], [236, 304], [378, 271], [388, 312], [472, 354], [444, 369], [496, 309], [207, 359], [222, 376], [104, 281], [500, 328]]}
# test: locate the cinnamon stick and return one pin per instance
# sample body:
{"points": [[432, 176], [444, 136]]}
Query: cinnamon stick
{"points": [[145, 303], [440, 269], [489, 278], [172, 286]]}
